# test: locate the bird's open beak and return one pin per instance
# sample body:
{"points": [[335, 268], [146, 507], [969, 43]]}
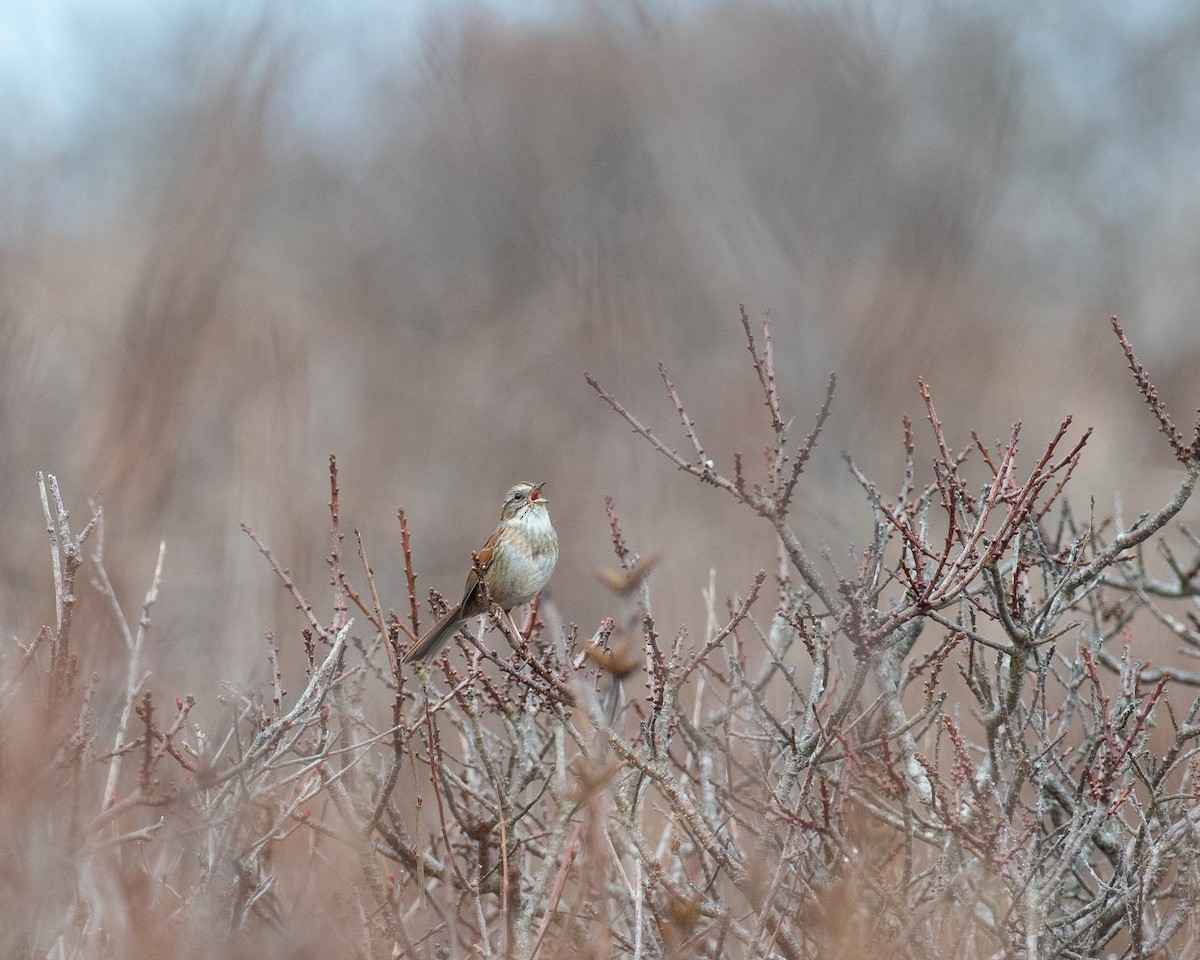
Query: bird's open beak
{"points": [[536, 495]]}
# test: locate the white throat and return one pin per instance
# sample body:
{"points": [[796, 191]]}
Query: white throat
{"points": [[535, 521]]}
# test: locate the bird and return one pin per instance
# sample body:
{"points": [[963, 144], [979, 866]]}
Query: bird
{"points": [[516, 563]]}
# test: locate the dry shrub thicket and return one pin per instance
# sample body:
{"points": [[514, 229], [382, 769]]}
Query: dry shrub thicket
{"points": [[951, 747]]}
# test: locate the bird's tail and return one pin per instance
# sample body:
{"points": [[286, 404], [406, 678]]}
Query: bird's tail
{"points": [[437, 636]]}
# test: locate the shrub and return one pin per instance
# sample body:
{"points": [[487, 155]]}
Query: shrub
{"points": [[956, 748]]}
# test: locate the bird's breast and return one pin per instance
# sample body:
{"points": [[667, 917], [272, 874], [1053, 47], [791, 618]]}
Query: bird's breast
{"points": [[523, 562]]}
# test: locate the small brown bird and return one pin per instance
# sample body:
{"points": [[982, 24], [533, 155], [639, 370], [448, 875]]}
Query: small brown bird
{"points": [[517, 562]]}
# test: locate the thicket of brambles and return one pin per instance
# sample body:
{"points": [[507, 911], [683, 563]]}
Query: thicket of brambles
{"points": [[950, 746]]}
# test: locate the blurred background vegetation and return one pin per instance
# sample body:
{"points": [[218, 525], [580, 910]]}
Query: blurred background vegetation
{"points": [[237, 238]]}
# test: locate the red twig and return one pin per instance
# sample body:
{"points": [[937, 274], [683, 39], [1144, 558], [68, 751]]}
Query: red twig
{"points": [[1184, 451], [410, 578]]}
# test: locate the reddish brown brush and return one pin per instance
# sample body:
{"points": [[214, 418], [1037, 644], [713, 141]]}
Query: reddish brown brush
{"points": [[959, 736]]}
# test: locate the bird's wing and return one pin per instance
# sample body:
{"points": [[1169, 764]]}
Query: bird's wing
{"points": [[485, 559]]}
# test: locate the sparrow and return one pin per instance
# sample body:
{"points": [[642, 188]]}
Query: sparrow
{"points": [[516, 563]]}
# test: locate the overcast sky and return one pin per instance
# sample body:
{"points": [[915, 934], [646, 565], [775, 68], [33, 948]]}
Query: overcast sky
{"points": [[49, 49], [64, 63]]}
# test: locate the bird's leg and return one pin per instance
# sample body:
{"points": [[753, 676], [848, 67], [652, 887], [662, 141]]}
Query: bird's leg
{"points": [[513, 623]]}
